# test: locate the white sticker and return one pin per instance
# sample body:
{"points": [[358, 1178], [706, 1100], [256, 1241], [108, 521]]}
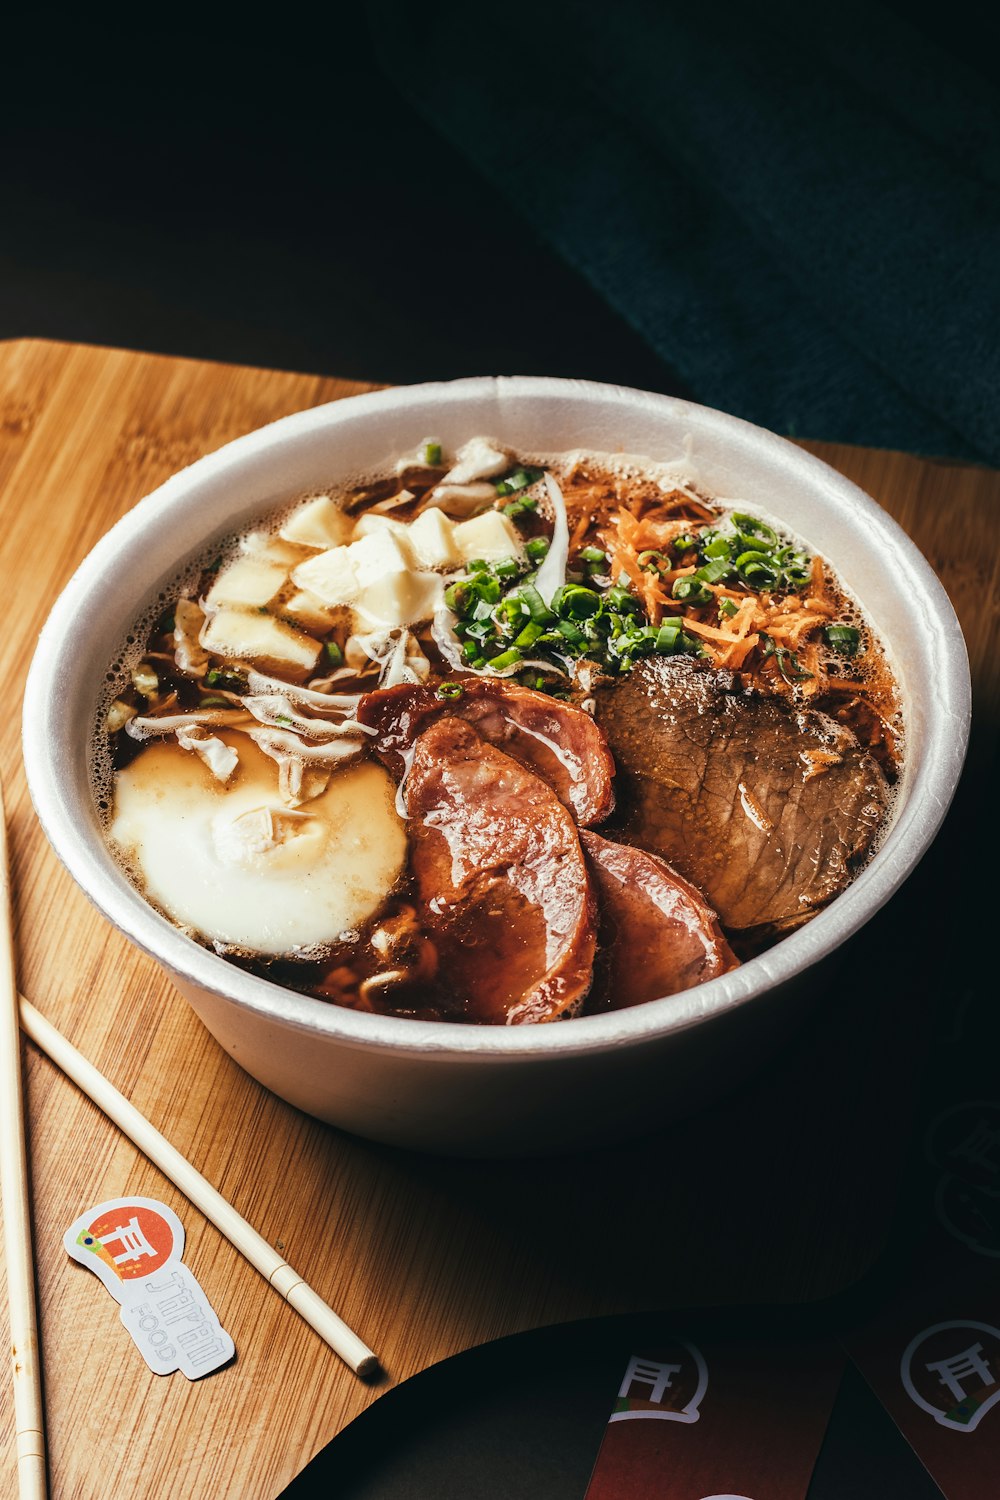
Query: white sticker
{"points": [[135, 1246]]}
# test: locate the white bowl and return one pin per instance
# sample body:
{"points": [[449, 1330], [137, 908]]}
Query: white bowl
{"points": [[492, 1090]]}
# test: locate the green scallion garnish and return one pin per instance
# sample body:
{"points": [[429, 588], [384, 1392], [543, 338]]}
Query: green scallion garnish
{"points": [[450, 690], [432, 455], [843, 638], [505, 659], [519, 480], [691, 590]]}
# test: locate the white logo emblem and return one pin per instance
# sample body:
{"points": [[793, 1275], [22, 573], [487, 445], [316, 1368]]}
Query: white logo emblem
{"points": [[952, 1371], [668, 1390]]}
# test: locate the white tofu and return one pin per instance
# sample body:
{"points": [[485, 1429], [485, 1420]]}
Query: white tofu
{"points": [[432, 537], [464, 499], [379, 553], [400, 598], [248, 583], [277, 551], [378, 575], [330, 575], [261, 639], [490, 536], [318, 523], [371, 522], [477, 459], [429, 537], [310, 612]]}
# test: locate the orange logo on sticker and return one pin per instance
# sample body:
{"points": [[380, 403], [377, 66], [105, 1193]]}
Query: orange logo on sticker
{"points": [[131, 1240]]}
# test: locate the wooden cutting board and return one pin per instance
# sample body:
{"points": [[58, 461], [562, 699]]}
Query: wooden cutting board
{"points": [[777, 1194]]}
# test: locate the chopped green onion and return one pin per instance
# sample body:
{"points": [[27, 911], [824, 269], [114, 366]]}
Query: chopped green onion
{"points": [[574, 602], [789, 665], [652, 561], [278, 718], [519, 480], [714, 571], [668, 636], [570, 632], [691, 590], [536, 605], [506, 659], [593, 555], [684, 543], [231, 681], [537, 548], [752, 526], [334, 654], [529, 635], [524, 506], [471, 651], [619, 597], [432, 455], [843, 638], [450, 690], [211, 701], [727, 608], [757, 569]]}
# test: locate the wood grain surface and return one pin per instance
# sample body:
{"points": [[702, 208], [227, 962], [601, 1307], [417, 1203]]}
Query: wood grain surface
{"points": [[777, 1194]]}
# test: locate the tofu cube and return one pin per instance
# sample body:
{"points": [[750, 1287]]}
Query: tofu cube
{"points": [[432, 537], [490, 536], [318, 523], [310, 612], [248, 583], [261, 639], [330, 575], [379, 553], [400, 598]]}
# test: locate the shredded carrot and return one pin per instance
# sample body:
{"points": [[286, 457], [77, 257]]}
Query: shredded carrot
{"points": [[580, 530], [817, 579]]}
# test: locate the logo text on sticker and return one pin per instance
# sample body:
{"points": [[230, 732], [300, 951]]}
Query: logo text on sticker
{"points": [[135, 1246], [669, 1388], [952, 1371]]}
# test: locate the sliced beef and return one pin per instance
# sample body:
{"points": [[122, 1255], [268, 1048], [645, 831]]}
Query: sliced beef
{"points": [[657, 935], [761, 807], [502, 886], [560, 743]]}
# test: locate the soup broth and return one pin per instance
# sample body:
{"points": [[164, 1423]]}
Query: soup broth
{"points": [[498, 738]]}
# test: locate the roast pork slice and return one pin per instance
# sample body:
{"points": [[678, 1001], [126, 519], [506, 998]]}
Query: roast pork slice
{"points": [[762, 807], [560, 743], [502, 885], [657, 935]]}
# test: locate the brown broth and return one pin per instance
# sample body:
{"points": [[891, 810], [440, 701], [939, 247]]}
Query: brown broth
{"points": [[863, 699]]}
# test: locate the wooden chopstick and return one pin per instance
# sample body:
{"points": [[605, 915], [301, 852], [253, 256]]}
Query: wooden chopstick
{"points": [[29, 1412], [262, 1256]]}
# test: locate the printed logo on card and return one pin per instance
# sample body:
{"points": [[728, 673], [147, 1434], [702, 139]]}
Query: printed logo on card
{"points": [[952, 1371], [669, 1388], [135, 1246]]}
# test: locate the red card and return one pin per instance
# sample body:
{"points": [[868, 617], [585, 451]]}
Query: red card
{"points": [[717, 1421]]}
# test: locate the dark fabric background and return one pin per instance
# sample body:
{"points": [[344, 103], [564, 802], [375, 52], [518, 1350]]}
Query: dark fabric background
{"points": [[785, 210], [796, 207]]}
